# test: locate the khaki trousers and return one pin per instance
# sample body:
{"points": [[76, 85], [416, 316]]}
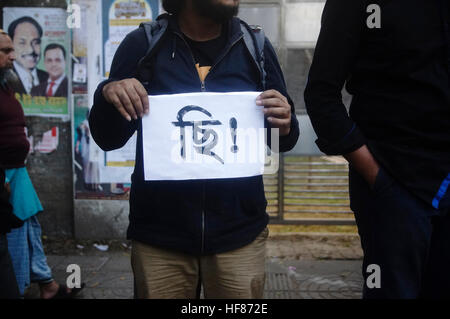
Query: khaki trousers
{"points": [[164, 274]]}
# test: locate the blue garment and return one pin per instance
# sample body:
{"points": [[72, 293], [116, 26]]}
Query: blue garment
{"points": [[407, 238], [23, 198], [27, 254]]}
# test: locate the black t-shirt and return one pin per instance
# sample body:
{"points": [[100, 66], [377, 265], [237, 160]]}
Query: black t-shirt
{"points": [[207, 52], [400, 85]]}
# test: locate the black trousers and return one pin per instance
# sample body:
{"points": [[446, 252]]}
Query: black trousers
{"points": [[8, 283], [404, 236]]}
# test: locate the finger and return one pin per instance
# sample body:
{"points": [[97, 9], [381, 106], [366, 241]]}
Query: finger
{"points": [[267, 94], [271, 94], [273, 102], [136, 101], [280, 123], [278, 112], [119, 106], [143, 95], [126, 102]]}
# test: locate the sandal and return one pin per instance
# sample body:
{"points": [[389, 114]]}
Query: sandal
{"points": [[63, 294]]}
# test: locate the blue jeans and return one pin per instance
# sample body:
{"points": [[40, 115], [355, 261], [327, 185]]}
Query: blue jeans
{"points": [[27, 254], [406, 237]]}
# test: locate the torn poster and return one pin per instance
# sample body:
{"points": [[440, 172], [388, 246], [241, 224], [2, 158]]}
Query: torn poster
{"points": [[49, 142], [203, 136], [30, 140]]}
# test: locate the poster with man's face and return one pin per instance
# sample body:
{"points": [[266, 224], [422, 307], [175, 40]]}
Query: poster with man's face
{"points": [[41, 40]]}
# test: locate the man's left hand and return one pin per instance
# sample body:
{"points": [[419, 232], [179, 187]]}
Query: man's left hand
{"points": [[276, 109]]}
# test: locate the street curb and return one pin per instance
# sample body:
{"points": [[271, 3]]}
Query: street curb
{"points": [[306, 235]]}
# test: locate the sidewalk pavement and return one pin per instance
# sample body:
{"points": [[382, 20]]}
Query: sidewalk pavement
{"points": [[298, 266]]}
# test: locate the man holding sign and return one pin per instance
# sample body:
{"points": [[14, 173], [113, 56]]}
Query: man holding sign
{"points": [[198, 228]]}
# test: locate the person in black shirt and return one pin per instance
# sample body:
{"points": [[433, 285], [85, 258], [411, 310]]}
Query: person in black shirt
{"points": [[394, 58], [192, 233]]}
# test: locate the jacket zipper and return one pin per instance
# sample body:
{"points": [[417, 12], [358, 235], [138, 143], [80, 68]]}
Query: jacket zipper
{"points": [[202, 83], [223, 56], [203, 89]]}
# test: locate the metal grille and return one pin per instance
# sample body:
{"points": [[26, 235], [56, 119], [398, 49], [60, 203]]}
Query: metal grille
{"points": [[313, 190]]}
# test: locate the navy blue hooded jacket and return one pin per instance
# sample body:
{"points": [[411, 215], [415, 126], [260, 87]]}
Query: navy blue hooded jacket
{"points": [[198, 217]]}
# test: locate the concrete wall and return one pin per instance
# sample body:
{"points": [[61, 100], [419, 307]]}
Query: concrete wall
{"points": [[101, 218], [52, 177]]}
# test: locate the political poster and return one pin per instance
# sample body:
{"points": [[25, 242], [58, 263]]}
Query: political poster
{"points": [[41, 41], [80, 48], [120, 17], [93, 178]]}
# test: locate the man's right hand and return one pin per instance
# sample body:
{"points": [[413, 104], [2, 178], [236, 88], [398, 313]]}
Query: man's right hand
{"points": [[365, 164], [128, 96]]}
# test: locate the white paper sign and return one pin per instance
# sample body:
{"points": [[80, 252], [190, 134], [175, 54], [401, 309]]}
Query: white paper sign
{"points": [[203, 136]]}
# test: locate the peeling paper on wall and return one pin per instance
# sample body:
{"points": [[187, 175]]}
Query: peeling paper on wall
{"points": [[49, 141], [30, 140]]}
